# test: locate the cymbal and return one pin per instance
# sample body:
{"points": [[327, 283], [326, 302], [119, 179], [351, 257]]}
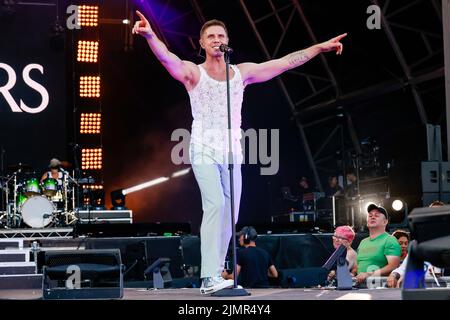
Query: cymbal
{"points": [[20, 167]]}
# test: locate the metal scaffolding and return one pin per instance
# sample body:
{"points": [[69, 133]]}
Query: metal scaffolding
{"points": [[330, 82], [413, 76], [446, 30]]}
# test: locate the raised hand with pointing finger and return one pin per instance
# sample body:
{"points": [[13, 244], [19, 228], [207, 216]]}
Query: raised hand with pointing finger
{"points": [[142, 27], [333, 44]]}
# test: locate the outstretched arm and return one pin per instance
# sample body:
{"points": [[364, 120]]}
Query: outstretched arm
{"points": [[183, 71], [260, 72]]}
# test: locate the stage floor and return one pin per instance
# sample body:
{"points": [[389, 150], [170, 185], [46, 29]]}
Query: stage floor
{"points": [[256, 294]]}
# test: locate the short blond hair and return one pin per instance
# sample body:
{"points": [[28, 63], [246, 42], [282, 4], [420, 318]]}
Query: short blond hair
{"points": [[213, 22]]}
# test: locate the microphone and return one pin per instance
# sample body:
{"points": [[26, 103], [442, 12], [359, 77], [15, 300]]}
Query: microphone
{"points": [[225, 48]]}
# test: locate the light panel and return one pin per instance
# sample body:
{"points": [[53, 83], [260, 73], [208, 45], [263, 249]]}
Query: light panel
{"points": [[90, 87], [87, 51], [88, 16], [91, 159], [90, 123], [93, 187]]}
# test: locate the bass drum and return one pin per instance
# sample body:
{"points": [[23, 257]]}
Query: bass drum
{"points": [[37, 212]]}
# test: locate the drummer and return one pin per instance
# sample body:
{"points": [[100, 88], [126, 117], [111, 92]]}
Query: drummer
{"points": [[54, 173]]}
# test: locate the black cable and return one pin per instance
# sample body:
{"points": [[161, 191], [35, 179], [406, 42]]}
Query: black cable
{"points": [[2, 154]]}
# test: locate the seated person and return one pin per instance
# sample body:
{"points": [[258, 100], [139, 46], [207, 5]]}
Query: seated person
{"points": [[403, 240], [351, 190], [344, 235], [395, 279], [254, 265], [378, 254], [334, 189], [301, 188], [55, 172]]}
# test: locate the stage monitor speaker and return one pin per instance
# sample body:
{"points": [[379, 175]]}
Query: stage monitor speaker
{"points": [[132, 251], [430, 229], [445, 176], [82, 274], [430, 176], [429, 223]]}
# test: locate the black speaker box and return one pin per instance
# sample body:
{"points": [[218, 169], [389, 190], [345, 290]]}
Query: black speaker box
{"points": [[81, 274]]}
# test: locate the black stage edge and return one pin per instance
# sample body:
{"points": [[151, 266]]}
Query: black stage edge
{"points": [[288, 251]]}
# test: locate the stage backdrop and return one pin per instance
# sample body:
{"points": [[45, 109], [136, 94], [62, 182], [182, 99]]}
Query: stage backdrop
{"points": [[32, 87]]}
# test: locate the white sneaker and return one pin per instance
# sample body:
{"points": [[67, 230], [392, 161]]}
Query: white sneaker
{"points": [[211, 285]]}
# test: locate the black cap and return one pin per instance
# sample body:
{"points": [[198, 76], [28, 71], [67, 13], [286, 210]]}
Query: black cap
{"points": [[380, 209], [250, 231]]}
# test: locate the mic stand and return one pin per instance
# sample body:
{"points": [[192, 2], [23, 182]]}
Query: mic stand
{"points": [[235, 291]]}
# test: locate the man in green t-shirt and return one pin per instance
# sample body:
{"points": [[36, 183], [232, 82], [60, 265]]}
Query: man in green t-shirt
{"points": [[379, 253]]}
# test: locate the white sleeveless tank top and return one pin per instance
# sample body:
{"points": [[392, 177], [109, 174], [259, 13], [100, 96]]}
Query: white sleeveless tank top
{"points": [[60, 177], [209, 110]]}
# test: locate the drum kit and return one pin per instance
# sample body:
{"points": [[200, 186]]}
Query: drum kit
{"points": [[31, 203]]}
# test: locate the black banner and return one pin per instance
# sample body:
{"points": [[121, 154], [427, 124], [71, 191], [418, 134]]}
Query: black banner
{"points": [[33, 124]]}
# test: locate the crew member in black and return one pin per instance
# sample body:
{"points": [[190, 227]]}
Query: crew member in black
{"points": [[254, 265]]}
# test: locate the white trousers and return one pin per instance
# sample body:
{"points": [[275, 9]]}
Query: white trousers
{"points": [[213, 177]]}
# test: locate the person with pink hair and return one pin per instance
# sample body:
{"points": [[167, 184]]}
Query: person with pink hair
{"points": [[344, 235]]}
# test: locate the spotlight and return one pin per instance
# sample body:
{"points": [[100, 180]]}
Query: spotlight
{"points": [[397, 205], [118, 196], [144, 185], [360, 220], [92, 187], [180, 173], [118, 200], [368, 203], [398, 212]]}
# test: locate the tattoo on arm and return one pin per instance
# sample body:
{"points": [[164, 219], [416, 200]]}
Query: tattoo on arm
{"points": [[298, 58]]}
